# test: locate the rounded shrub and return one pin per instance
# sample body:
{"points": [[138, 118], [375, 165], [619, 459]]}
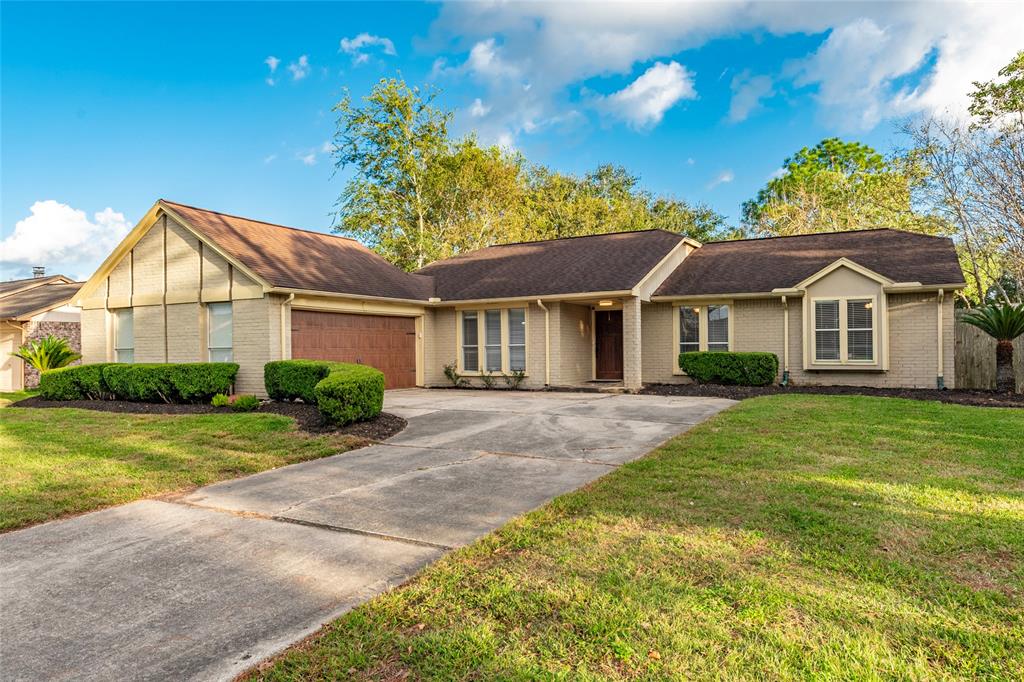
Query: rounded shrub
{"points": [[294, 379], [81, 382], [350, 393], [743, 369]]}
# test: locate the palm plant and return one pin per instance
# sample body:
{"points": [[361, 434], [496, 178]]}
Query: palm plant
{"points": [[1004, 323], [49, 352]]}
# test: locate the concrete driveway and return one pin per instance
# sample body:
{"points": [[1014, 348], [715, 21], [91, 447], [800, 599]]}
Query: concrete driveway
{"points": [[207, 584]]}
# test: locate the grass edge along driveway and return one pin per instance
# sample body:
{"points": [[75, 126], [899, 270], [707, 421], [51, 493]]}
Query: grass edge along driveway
{"points": [[56, 462], [802, 537]]}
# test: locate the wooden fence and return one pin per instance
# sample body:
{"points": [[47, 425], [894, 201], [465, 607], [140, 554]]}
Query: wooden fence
{"points": [[975, 356]]}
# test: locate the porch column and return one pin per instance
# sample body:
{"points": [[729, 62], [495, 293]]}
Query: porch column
{"points": [[631, 354]]}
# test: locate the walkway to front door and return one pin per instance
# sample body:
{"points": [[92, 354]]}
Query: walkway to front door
{"points": [[608, 345]]}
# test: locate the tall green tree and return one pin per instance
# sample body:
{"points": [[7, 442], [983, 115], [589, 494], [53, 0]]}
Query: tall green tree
{"points": [[1001, 102], [391, 141], [836, 186]]}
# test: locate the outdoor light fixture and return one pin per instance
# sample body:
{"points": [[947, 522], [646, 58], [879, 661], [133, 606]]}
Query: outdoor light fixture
{"points": [[605, 304]]}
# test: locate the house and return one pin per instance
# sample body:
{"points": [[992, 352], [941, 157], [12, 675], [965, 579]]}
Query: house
{"points": [[871, 307], [31, 309]]}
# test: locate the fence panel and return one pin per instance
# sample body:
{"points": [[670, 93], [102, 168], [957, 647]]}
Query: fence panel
{"points": [[975, 356]]}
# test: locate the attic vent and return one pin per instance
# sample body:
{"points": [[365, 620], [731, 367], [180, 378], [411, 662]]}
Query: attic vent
{"points": [[38, 271]]}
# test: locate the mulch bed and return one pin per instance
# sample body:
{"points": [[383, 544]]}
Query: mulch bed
{"points": [[307, 417], [958, 396]]}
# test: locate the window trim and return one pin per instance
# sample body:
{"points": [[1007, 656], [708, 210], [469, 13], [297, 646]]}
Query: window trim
{"points": [[116, 325], [481, 337], [844, 359], [703, 330], [461, 352], [209, 331]]}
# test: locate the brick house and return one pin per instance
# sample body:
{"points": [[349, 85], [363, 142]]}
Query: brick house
{"points": [[870, 307], [31, 309]]}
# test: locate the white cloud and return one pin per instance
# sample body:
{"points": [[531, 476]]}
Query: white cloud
{"points": [[747, 92], [354, 47], [269, 158], [530, 58], [272, 63], [61, 238], [299, 69], [690, 161], [723, 178], [307, 158], [478, 108], [327, 147], [777, 173], [643, 102]]}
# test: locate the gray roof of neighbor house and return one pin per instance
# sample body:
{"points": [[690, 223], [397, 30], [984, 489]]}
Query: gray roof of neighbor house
{"points": [[291, 258], [761, 265], [12, 285], [39, 298], [595, 263]]}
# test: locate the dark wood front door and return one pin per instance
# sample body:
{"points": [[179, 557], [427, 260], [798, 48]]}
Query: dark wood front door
{"points": [[381, 341], [608, 345]]}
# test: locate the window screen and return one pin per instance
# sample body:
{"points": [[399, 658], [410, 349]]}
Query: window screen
{"points": [[219, 323], [689, 329], [492, 340], [718, 327], [124, 331], [470, 342], [859, 332], [517, 339], [826, 330]]}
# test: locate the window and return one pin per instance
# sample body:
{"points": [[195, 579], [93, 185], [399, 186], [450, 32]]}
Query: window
{"points": [[826, 330], [689, 329], [718, 327], [124, 335], [470, 342], [860, 342], [517, 339], [492, 340], [219, 337]]}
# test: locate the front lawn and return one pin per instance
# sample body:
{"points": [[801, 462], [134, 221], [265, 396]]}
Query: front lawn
{"points": [[791, 537], [55, 462]]}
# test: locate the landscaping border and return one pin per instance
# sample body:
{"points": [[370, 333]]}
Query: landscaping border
{"points": [[957, 396]]}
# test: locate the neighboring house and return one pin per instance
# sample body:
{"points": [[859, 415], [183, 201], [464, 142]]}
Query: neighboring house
{"points": [[31, 309], [872, 307]]}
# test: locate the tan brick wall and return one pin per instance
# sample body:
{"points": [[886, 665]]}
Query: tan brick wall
{"points": [[94, 335], [148, 325], [187, 340], [660, 356], [255, 339], [120, 280], [572, 355], [758, 327], [215, 273], [148, 263], [182, 260], [632, 343]]}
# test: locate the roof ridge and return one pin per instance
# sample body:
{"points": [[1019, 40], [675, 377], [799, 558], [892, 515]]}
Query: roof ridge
{"points": [[821, 234], [262, 222], [582, 236]]}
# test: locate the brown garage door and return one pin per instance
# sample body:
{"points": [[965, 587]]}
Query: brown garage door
{"points": [[387, 343]]}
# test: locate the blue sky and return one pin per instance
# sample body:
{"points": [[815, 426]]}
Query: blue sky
{"points": [[107, 107]]}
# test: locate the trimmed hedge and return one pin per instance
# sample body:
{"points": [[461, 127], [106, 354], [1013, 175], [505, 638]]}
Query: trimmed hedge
{"points": [[350, 393], [294, 379], [744, 369], [342, 391], [195, 382], [81, 382]]}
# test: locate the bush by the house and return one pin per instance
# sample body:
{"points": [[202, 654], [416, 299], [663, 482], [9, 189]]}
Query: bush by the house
{"points": [[221, 400], [82, 382], [744, 369], [350, 393], [294, 379], [245, 403], [195, 382]]}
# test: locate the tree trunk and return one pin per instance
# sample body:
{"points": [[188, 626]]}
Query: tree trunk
{"points": [[1005, 381]]}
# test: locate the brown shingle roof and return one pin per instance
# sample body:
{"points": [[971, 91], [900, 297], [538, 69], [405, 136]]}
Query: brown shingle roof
{"points": [[759, 265], [604, 262], [12, 285], [291, 258], [36, 299]]}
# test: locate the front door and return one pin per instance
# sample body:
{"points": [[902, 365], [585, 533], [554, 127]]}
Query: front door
{"points": [[608, 345]]}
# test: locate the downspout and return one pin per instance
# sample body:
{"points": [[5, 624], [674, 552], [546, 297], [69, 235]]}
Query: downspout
{"points": [[785, 341], [284, 324], [940, 380], [547, 342]]}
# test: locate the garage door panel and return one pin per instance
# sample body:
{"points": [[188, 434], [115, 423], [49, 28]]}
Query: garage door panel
{"points": [[387, 343]]}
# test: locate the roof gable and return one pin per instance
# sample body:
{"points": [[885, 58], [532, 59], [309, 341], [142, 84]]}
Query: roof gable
{"points": [[28, 302], [763, 265]]}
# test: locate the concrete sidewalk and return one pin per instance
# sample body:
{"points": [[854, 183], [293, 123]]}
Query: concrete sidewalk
{"points": [[206, 585]]}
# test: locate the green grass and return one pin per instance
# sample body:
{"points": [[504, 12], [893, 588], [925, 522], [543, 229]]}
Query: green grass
{"points": [[791, 537], [60, 461], [8, 397]]}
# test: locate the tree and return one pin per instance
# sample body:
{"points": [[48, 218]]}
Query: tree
{"points": [[49, 352], [391, 141], [1004, 323], [836, 186], [995, 103]]}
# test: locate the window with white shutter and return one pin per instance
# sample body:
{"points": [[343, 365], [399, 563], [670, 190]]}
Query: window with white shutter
{"points": [[689, 329], [826, 330], [492, 340], [517, 339], [470, 342], [124, 335], [860, 342], [220, 334]]}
